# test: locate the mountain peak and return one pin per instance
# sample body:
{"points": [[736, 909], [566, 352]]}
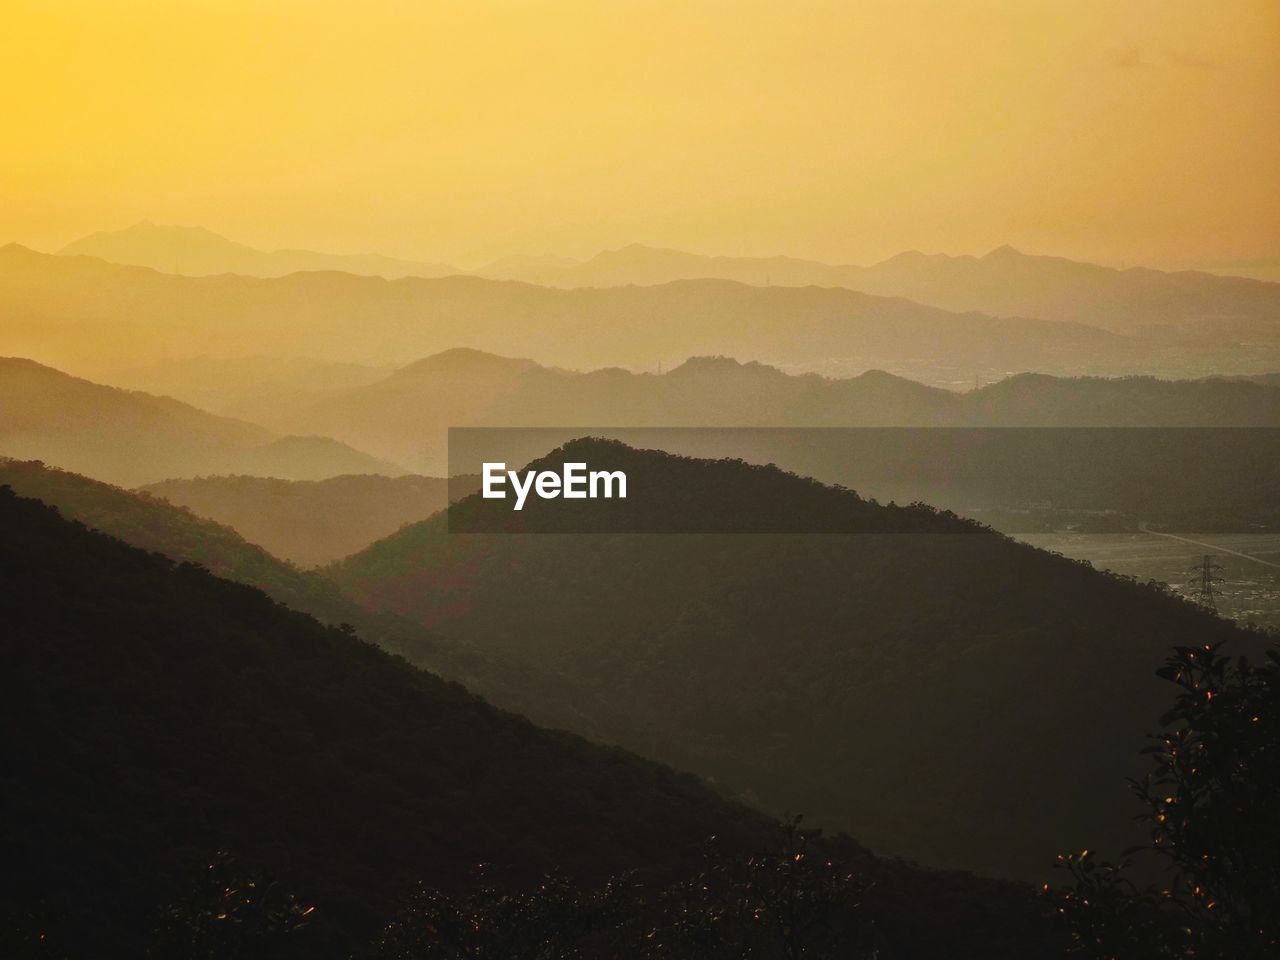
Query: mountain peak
{"points": [[722, 366], [461, 360], [1004, 252]]}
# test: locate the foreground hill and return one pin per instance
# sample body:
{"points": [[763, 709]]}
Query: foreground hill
{"points": [[954, 696], [132, 438], [310, 522], [404, 417], [169, 714], [202, 716], [1004, 282], [195, 251], [87, 314], [152, 524]]}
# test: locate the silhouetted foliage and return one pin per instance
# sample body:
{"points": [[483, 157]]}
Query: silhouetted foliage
{"points": [[1214, 834], [786, 903], [231, 913], [27, 932], [554, 921]]}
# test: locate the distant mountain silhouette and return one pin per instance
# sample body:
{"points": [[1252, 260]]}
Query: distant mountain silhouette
{"points": [[195, 251], [85, 314], [311, 458], [404, 417], [958, 698], [313, 521], [1004, 282], [133, 438]]}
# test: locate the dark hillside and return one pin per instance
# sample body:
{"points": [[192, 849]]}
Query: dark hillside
{"points": [[157, 526], [944, 693], [164, 714]]}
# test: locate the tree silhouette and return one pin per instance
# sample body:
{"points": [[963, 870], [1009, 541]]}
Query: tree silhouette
{"points": [[231, 912], [1214, 833], [789, 903]]}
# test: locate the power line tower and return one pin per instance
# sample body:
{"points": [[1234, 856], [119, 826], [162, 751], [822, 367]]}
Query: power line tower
{"points": [[1203, 581]]}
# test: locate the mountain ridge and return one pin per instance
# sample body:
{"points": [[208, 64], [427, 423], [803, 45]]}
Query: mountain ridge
{"points": [[198, 251], [133, 437], [404, 417], [75, 312], [1118, 299]]}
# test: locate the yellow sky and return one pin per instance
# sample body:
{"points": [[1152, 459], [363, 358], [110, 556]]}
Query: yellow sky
{"points": [[1126, 131]]}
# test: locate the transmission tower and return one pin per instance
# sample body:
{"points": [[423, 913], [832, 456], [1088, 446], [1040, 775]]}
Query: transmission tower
{"points": [[1203, 581]]}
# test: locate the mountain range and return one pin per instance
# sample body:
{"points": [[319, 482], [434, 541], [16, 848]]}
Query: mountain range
{"points": [[1004, 282], [79, 312], [133, 438], [196, 252], [1183, 469], [405, 416]]}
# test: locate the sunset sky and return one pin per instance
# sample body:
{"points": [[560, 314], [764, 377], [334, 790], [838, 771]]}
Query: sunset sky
{"points": [[1124, 131]]}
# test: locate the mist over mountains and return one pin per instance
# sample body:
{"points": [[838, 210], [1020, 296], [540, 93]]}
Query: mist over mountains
{"points": [[310, 522], [79, 311], [1003, 282], [1176, 466], [753, 582], [195, 251], [132, 438], [405, 416], [913, 679]]}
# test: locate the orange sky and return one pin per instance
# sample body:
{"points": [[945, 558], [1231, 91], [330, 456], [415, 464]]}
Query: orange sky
{"points": [[1126, 131]]}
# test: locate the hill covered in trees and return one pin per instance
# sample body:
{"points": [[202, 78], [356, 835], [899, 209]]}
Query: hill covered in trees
{"points": [[160, 527], [168, 714], [945, 693]]}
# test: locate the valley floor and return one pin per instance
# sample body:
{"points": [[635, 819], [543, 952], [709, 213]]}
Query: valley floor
{"points": [[1250, 591]]}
